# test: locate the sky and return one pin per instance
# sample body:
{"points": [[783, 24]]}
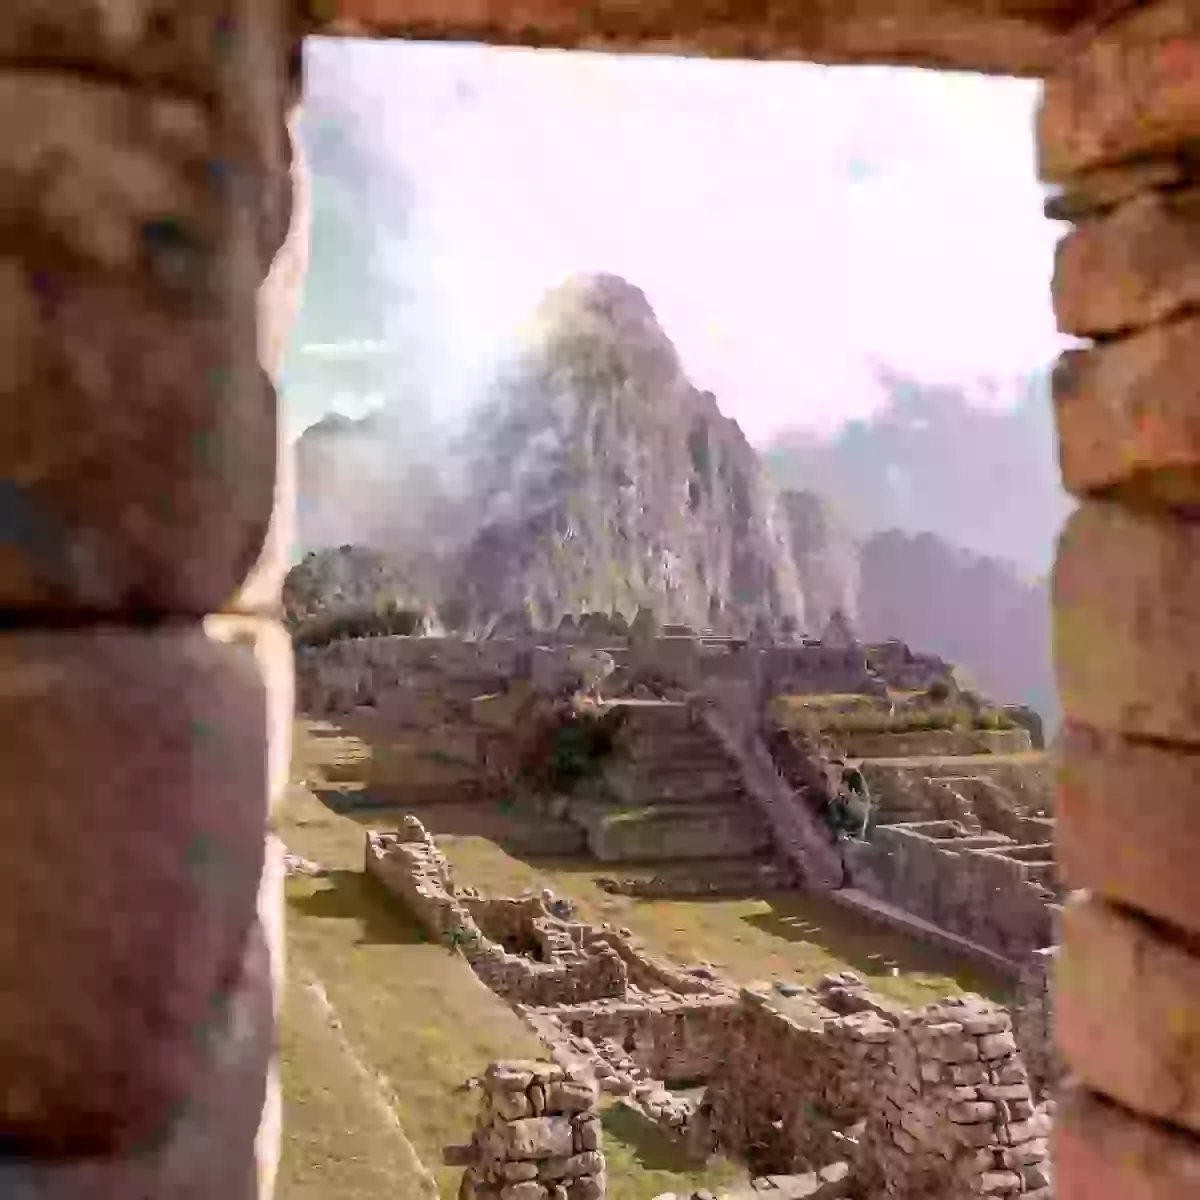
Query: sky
{"points": [[791, 225]]}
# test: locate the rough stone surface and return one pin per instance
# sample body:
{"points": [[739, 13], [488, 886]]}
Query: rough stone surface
{"points": [[1010, 38], [1131, 268], [1111, 786], [1132, 90], [1128, 987], [1126, 415], [1101, 1150], [148, 424], [529, 1158], [99, 1042], [1126, 637]]}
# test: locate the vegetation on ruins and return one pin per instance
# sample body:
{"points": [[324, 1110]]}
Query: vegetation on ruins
{"points": [[902, 720], [569, 746]]}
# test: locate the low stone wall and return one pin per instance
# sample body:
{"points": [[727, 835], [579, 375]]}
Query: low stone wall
{"points": [[933, 743], [983, 887], [932, 1104], [580, 967], [538, 1137], [670, 1038]]}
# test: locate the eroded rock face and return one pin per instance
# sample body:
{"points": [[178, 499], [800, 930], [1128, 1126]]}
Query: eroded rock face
{"points": [[598, 479], [611, 482]]}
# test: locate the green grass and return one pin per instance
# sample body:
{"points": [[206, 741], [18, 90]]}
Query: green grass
{"points": [[338, 1142], [784, 936]]}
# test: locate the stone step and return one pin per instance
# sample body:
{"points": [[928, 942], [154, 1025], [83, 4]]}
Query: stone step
{"points": [[654, 716], [739, 876], [635, 783], [668, 746], [674, 831]]}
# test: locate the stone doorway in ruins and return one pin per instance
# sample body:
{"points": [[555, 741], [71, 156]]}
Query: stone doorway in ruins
{"points": [[130, 290]]}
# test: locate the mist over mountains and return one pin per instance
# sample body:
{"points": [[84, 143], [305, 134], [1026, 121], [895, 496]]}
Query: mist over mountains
{"points": [[590, 472], [983, 478], [596, 477]]}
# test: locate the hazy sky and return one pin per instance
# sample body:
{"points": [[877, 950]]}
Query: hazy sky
{"points": [[790, 224]]}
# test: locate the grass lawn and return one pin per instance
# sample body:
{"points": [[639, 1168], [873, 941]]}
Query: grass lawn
{"points": [[784, 936]]}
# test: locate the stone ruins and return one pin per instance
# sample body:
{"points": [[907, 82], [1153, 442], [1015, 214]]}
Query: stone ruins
{"points": [[682, 757], [538, 1138], [685, 759], [823, 1092]]}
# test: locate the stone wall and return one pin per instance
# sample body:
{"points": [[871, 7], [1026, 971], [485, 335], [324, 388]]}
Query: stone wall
{"points": [[905, 671], [579, 965], [385, 671], [932, 743], [538, 1137], [983, 887], [668, 1037], [1033, 1022], [929, 1104]]}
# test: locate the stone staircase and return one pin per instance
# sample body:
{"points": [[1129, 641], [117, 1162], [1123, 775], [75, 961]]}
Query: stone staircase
{"points": [[673, 794], [799, 835]]}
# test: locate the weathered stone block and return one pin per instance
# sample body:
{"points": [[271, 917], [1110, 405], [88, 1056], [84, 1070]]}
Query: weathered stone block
{"points": [[1126, 414], [518, 1172], [1101, 1150], [1125, 629], [1131, 268], [539, 1137], [1111, 787], [589, 1188], [531, 1190], [266, 649], [996, 1045], [138, 760], [1123, 985], [512, 1106], [1133, 90], [187, 46], [139, 464], [993, 1182], [588, 1135], [1094, 193], [570, 1097]]}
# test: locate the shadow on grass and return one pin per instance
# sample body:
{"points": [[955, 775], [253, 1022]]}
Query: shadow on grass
{"points": [[351, 895], [648, 1148], [867, 947]]}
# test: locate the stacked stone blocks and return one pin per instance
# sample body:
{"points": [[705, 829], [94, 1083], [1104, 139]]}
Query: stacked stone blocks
{"points": [[538, 1138]]}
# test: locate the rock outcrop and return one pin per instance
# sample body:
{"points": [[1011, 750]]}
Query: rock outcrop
{"points": [[597, 478], [608, 481]]}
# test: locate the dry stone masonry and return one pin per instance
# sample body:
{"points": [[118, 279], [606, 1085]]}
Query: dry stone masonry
{"points": [[539, 1137], [827, 1091]]}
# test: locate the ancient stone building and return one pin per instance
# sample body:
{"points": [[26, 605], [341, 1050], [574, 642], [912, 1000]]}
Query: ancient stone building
{"points": [[145, 186]]}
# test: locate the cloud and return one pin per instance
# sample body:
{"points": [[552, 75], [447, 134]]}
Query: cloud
{"points": [[790, 224]]}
